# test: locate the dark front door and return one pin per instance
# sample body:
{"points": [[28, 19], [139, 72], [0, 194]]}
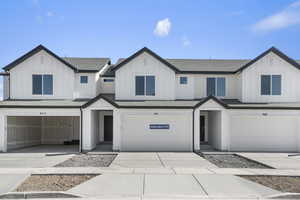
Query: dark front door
{"points": [[108, 128], [202, 128]]}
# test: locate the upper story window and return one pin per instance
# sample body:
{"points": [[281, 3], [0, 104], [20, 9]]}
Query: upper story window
{"points": [[183, 80], [84, 79], [42, 84], [108, 80], [145, 85], [270, 85], [216, 86]]}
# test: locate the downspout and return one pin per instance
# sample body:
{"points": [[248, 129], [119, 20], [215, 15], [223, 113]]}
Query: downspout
{"points": [[80, 142]]}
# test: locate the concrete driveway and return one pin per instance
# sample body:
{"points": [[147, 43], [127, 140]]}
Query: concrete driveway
{"points": [[161, 160], [171, 186], [36, 157]]}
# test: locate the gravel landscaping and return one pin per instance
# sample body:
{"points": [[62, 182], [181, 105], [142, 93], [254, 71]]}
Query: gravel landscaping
{"points": [[233, 161], [52, 182], [84, 160], [281, 183]]}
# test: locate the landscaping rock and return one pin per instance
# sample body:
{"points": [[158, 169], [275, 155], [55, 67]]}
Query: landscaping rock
{"points": [[84, 160]]}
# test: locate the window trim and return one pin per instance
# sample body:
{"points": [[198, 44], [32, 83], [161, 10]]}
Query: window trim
{"points": [[216, 85], [42, 85], [271, 85], [145, 85], [87, 79]]}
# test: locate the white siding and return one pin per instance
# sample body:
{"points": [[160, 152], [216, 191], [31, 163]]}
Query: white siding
{"points": [[41, 63], [215, 129], [5, 87], [264, 130], [85, 90], [271, 64], [137, 136], [107, 87], [145, 64], [231, 92], [185, 91]]}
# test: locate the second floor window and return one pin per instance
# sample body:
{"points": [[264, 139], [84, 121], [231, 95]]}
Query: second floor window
{"points": [[42, 84], [270, 85], [145, 85], [183, 80], [84, 79], [216, 86]]}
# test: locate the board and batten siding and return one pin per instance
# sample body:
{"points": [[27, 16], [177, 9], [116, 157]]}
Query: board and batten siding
{"points": [[145, 64], [41, 63], [231, 89], [271, 64], [86, 90]]}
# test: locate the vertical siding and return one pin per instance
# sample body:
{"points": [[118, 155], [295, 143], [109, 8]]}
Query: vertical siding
{"points": [[145, 64], [41, 63], [85, 90], [271, 64]]}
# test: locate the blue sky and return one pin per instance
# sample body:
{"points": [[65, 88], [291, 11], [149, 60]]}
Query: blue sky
{"points": [[173, 29]]}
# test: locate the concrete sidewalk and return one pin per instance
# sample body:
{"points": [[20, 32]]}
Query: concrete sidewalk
{"points": [[170, 186], [160, 159], [9, 182]]}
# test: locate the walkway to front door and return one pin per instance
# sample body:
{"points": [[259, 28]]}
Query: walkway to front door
{"points": [[158, 160]]}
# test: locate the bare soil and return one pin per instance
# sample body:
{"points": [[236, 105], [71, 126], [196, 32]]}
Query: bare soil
{"points": [[84, 160], [280, 183], [52, 182], [233, 161]]}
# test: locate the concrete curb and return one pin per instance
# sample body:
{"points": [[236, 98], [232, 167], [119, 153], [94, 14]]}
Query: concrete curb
{"points": [[38, 195]]}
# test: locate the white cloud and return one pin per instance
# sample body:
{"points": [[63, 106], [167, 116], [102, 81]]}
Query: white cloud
{"points": [[49, 14], [285, 18], [186, 41], [162, 27]]}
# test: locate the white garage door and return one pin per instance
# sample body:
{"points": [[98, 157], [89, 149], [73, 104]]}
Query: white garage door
{"points": [[263, 133], [162, 132]]}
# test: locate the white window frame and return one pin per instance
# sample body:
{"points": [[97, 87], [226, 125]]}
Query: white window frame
{"points": [[43, 85], [217, 85], [271, 85], [145, 86]]}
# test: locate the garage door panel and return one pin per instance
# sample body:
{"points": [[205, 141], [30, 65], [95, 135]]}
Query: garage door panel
{"points": [[137, 135], [263, 133]]}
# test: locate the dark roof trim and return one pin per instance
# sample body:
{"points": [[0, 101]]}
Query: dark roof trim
{"points": [[277, 52], [31, 53], [211, 98], [4, 74], [108, 76], [100, 96], [21, 106], [86, 71], [145, 49], [207, 72]]}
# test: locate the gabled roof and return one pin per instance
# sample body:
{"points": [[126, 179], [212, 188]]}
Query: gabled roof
{"points": [[87, 64], [207, 66], [145, 49], [76, 64], [31, 53], [278, 53], [219, 101]]}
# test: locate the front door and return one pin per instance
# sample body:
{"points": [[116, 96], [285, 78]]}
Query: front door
{"points": [[108, 128], [202, 128]]}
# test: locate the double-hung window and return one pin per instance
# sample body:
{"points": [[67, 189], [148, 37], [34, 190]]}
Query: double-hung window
{"points": [[216, 86], [145, 85], [270, 85], [42, 84]]}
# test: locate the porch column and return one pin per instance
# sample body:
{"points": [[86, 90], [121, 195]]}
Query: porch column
{"points": [[225, 127], [116, 130], [197, 130], [86, 131], [3, 133]]}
